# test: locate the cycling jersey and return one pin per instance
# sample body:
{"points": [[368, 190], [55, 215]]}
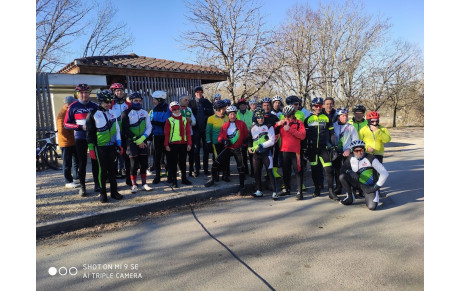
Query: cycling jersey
{"points": [[375, 139], [213, 127], [135, 123], [117, 109], [277, 113], [358, 124], [298, 115], [102, 129], [187, 112], [262, 134], [344, 135], [320, 132], [290, 140], [369, 169], [158, 117], [246, 117], [76, 117], [238, 135]]}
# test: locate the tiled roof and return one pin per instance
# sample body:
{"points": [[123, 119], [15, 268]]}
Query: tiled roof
{"points": [[133, 61]]}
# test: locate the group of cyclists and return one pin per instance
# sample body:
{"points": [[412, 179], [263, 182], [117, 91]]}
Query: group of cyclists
{"points": [[267, 133]]}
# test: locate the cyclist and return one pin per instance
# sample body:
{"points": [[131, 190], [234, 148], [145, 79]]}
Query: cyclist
{"points": [[374, 135], [158, 117], [345, 133], [202, 109], [136, 128], [75, 119], [233, 135], [66, 142], [178, 141], [292, 132], [103, 136], [213, 127], [277, 103], [295, 101], [188, 114], [358, 119], [252, 104], [365, 172], [217, 96], [120, 104], [329, 110], [270, 119], [247, 117], [320, 137], [261, 141]]}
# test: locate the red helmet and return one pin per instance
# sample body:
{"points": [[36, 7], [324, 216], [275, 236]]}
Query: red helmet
{"points": [[116, 86], [372, 115], [82, 87]]}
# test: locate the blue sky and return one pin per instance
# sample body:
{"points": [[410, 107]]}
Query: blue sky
{"points": [[156, 24]]}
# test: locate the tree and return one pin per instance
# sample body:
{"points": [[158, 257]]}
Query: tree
{"points": [[230, 34]]}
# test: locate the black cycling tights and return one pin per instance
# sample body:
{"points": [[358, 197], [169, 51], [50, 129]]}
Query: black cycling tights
{"points": [[290, 159], [263, 160], [352, 179]]}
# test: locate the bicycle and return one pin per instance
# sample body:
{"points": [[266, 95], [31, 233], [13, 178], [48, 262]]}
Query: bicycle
{"points": [[47, 155]]}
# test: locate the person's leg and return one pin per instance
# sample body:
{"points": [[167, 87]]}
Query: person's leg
{"points": [[112, 172], [205, 154], [102, 161], [81, 148], [257, 162], [159, 149], [67, 164], [348, 181], [286, 173], [315, 172], [327, 166], [127, 163], [337, 164], [268, 164], [182, 162], [299, 174], [172, 157], [237, 153], [196, 152]]}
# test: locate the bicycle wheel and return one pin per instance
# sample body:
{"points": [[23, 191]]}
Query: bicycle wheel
{"points": [[51, 162]]}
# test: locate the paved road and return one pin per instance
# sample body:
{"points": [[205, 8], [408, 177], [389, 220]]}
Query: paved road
{"points": [[258, 244]]}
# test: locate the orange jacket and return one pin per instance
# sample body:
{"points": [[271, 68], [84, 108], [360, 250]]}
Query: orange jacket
{"points": [[65, 136]]}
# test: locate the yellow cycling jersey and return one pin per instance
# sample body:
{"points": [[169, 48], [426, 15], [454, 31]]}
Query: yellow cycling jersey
{"points": [[375, 139]]}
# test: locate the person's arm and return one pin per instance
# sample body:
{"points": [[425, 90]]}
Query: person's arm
{"points": [[298, 132], [188, 134], [91, 137], [192, 116], [346, 166], [167, 132], [208, 130], [271, 138], [69, 120], [383, 173], [383, 134], [126, 131]]}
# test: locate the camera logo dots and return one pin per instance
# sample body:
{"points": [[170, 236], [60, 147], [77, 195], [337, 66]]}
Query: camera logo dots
{"points": [[62, 271]]}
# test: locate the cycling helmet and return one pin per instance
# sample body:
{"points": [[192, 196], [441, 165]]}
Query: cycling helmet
{"points": [[359, 107], [159, 95], [372, 115], [217, 96], [227, 102], [277, 98], [174, 105], [242, 101], [135, 95], [252, 101], [259, 113], [292, 99], [231, 108], [69, 100], [82, 87], [115, 86], [266, 100], [342, 110], [104, 95], [219, 104], [357, 144], [317, 101], [289, 110], [198, 88]]}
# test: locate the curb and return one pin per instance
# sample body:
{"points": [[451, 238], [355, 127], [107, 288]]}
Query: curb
{"points": [[66, 225]]}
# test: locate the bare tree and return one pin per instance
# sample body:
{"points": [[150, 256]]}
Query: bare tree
{"points": [[58, 23], [230, 33], [107, 37]]}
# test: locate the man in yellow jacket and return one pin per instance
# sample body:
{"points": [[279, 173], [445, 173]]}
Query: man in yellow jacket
{"points": [[374, 135]]}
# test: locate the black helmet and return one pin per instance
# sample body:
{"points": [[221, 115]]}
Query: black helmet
{"points": [[219, 104], [317, 101], [292, 99], [105, 95], [198, 88], [259, 113], [135, 95], [359, 107], [82, 87], [288, 110]]}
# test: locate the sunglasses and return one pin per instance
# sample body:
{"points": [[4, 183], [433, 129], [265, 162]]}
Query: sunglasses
{"points": [[358, 150], [374, 120], [296, 104]]}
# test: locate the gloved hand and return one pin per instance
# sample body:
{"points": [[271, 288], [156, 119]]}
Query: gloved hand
{"points": [[227, 142], [139, 140], [376, 187], [92, 154], [120, 150], [209, 146]]}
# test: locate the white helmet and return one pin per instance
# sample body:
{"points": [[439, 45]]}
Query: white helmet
{"points": [[159, 95], [231, 108]]}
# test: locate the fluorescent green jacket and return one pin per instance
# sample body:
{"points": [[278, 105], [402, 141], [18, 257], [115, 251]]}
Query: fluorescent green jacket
{"points": [[375, 139]]}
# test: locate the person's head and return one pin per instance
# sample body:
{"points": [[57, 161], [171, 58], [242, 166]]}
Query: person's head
{"points": [[358, 112], [82, 92], [184, 100], [277, 102], [118, 91], [253, 104], [228, 102], [136, 100], [104, 98], [259, 116], [328, 104], [373, 118], [219, 108], [317, 105], [289, 111], [198, 92], [69, 100], [266, 104], [293, 100], [175, 108], [242, 104], [217, 96], [231, 112], [159, 97], [357, 147], [342, 114]]}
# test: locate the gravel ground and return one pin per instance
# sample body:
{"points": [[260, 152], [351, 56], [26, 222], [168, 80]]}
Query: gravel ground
{"points": [[54, 202]]}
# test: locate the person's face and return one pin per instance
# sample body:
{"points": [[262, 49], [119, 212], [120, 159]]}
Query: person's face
{"points": [[243, 106], [136, 100], [260, 120], [276, 105], [296, 105], [253, 106], [83, 96], [267, 107], [184, 101], [220, 112], [119, 93], [328, 105], [199, 94], [106, 104], [359, 115], [232, 116], [176, 112], [374, 122], [343, 118], [155, 101], [317, 108], [358, 152]]}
